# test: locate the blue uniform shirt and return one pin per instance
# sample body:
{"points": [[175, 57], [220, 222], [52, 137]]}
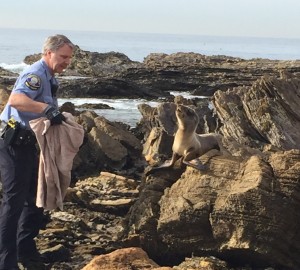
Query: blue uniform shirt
{"points": [[35, 82]]}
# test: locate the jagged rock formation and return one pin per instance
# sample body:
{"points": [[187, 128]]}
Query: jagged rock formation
{"points": [[243, 209], [108, 146], [265, 113]]}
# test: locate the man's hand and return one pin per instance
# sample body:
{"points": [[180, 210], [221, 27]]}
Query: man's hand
{"points": [[54, 115]]}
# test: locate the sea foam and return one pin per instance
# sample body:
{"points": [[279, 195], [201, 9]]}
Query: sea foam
{"points": [[17, 68]]}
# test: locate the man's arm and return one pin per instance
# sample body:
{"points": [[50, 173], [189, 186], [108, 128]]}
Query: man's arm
{"points": [[25, 104]]}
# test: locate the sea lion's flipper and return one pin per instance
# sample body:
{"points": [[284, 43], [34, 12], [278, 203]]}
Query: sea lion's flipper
{"points": [[166, 164], [197, 164]]}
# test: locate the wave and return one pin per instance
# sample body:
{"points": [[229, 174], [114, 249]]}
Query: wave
{"points": [[125, 110], [16, 68], [121, 103]]}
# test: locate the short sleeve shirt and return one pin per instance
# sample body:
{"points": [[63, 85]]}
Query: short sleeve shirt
{"points": [[35, 82]]}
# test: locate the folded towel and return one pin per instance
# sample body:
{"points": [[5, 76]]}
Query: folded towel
{"points": [[58, 145]]}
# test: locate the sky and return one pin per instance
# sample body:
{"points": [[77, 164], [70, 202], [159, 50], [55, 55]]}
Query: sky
{"points": [[250, 18]]}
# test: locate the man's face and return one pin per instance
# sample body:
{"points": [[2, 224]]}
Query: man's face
{"points": [[59, 60]]}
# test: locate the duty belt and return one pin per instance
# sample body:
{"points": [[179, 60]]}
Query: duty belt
{"points": [[13, 134]]}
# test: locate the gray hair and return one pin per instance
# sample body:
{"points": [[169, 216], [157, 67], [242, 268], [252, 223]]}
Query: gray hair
{"points": [[53, 43]]}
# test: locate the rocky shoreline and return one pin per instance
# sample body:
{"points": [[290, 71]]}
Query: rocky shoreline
{"points": [[242, 213], [114, 75]]}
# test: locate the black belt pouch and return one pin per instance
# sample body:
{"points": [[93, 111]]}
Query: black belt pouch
{"points": [[8, 133]]}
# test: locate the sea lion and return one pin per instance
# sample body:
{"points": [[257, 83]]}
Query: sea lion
{"points": [[188, 145]]}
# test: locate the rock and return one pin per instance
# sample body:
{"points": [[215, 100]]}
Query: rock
{"points": [[101, 87], [126, 259], [84, 229], [114, 75], [108, 145], [99, 106], [4, 95], [92, 63], [30, 59], [265, 113], [86, 119], [239, 210], [117, 133], [107, 150], [167, 118], [7, 73], [158, 146], [203, 263], [252, 119], [147, 122], [100, 64], [57, 253], [68, 107], [107, 193], [192, 71], [140, 225]]}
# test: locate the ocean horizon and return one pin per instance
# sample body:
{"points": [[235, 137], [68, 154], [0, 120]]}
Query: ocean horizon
{"points": [[16, 44]]}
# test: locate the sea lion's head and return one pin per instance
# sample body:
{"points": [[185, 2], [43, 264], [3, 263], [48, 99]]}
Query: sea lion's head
{"points": [[186, 117]]}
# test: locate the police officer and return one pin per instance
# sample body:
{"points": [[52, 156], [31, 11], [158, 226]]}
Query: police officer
{"points": [[33, 96]]}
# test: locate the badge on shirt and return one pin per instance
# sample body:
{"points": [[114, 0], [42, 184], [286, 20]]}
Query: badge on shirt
{"points": [[33, 82]]}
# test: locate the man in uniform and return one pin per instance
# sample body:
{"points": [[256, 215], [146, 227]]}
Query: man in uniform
{"points": [[33, 96]]}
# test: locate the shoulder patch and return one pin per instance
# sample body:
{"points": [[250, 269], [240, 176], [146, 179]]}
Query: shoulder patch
{"points": [[33, 82]]}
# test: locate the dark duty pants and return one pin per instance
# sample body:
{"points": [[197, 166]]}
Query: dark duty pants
{"points": [[20, 219]]}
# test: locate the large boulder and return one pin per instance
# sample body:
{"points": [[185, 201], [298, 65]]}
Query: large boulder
{"points": [[244, 212], [108, 145], [126, 259]]}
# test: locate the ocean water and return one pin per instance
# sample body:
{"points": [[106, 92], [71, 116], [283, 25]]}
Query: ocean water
{"points": [[16, 44], [125, 110]]}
